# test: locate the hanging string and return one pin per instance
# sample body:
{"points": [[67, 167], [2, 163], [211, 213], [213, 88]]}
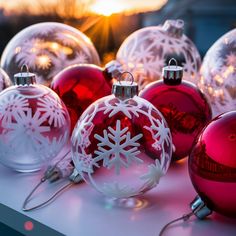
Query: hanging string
{"points": [[51, 174], [184, 218]]}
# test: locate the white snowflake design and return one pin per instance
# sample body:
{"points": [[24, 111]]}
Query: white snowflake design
{"points": [[117, 148], [117, 190], [30, 126], [84, 162], [117, 105], [12, 107], [160, 133], [152, 177], [53, 110]]}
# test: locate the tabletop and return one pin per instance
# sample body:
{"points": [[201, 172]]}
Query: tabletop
{"points": [[80, 210]]}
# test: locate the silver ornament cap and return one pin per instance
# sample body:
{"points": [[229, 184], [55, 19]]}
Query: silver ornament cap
{"points": [[124, 89], [199, 208], [174, 28], [24, 77], [172, 74]]}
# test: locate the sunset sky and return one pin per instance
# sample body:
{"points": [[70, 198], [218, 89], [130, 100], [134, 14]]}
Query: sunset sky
{"points": [[104, 7]]}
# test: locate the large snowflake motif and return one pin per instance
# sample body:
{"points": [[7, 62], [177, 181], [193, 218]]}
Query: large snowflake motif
{"points": [[30, 127], [231, 59], [117, 148], [152, 177], [12, 107], [115, 106], [52, 109]]}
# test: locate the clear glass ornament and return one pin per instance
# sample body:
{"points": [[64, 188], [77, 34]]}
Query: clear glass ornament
{"points": [[218, 74], [5, 81], [34, 124], [47, 48], [146, 51], [122, 145]]}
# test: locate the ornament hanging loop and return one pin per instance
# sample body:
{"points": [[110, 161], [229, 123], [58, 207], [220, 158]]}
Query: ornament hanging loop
{"points": [[130, 76], [174, 60], [24, 69]]}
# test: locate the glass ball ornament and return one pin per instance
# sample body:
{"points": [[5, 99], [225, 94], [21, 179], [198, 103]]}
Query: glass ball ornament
{"points": [[121, 144], [146, 51], [212, 164], [81, 85], [5, 81], [34, 124], [47, 48], [218, 74], [183, 105]]}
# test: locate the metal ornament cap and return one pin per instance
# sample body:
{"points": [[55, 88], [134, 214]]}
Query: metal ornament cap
{"points": [[125, 89], [24, 77], [174, 28], [199, 208], [172, 74]]}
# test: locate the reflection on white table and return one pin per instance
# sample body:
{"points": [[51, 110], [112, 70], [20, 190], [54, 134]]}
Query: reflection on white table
{"points": [[81, 211]]}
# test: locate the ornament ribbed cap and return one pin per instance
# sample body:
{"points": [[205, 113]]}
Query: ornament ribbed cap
{"points": [[174, 28], [172, 74], [124, 89], [24, 77]]}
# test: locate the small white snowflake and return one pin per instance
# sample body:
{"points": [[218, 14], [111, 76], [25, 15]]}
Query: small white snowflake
{"points": [[12, 106], [117, 190], [162, 134], [116, 105], [52, 109], [152, 177], [117, 148], [231, 59], [84, 162]]}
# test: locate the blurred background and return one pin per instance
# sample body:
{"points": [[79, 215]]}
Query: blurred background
{"points": [[109, 22]]}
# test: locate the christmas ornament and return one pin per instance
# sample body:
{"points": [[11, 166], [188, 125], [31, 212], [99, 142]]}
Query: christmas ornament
{"points": [[5, 81], [121, 144], [212, 164], [184, 107], [47, 48], [34, 124], [81, 85], [218, 74], [147, 50]]}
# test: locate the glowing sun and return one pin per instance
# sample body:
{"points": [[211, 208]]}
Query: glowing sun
{"points": [[107, 7]]}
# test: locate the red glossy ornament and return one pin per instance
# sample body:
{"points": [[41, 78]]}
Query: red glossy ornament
{"points": [[80, 85], [183, 105], [212, 164]]}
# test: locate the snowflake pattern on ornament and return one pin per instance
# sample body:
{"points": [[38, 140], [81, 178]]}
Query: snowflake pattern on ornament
{"points": [[52, 109], [29, 126], [152, 177], [11, 107], [117, 148], [150, 47]]}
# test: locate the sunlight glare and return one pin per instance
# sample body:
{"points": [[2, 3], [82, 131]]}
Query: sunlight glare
{"points": [[107, 8]]}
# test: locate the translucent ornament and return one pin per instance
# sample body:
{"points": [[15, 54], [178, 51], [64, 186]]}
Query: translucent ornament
{"points": [[81, 85], [34, 124], [5, 81], [47, 48], [218, 74], [121, 144], [146, 51], [183, 105], [212, 164]]}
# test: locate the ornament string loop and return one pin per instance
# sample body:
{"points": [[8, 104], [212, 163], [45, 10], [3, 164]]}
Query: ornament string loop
{"points": [[174, 60], [52, 174], [130, 76], [24, 68]]}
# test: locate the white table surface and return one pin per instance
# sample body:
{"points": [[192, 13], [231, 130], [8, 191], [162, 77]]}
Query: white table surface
{"points": [[82, 211]]}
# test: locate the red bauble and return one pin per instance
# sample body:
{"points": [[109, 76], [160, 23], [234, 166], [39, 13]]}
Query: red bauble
{"points": [[184, 107], [212, 164], [79, 86]]}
